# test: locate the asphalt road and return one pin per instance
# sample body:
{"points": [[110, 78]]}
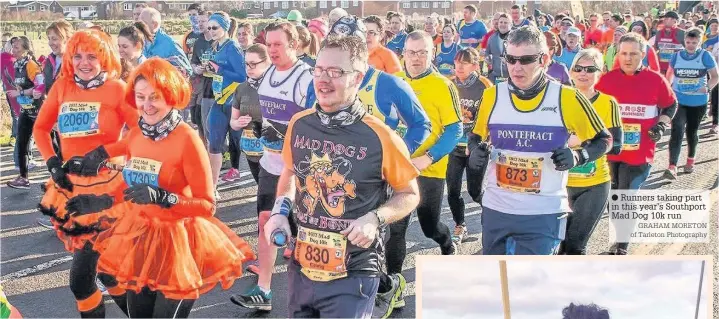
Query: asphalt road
{"points": [[35, 267]]}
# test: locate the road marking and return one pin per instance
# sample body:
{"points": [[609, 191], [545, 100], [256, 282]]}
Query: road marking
{"points": [[25, 231], [34, 269]]}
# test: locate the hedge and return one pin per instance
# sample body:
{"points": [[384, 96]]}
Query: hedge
{"points": [[173, 27]]}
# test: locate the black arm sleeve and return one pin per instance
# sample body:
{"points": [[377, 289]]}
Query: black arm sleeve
{"points": [[598, 145], [617, 140], [671, 110]]}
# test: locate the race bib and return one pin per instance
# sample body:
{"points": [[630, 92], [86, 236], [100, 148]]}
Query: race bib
{"points": [[141, 171], [689, 86], [446, 68], [665, 55], [519, 174], [401, 130], [251, 145], [25, 102], [77, 119], [217, 86], [632, 137], [586, 170], [321, 254]]}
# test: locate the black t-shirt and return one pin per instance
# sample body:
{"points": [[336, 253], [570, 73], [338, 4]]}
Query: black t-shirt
{"points": [[470, 96], [341, 174], [202, 46]]}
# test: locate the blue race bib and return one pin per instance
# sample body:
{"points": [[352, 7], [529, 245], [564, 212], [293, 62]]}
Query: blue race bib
{"points": [[141, 171], [25, 102], [251, 145], [78, 119], [217, 86]]}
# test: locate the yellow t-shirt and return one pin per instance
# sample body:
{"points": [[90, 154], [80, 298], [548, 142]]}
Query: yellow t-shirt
{"points": [[440, 100], [597, 172]]}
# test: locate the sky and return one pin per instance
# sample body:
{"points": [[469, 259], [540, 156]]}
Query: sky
{"points": [[541, 289]]}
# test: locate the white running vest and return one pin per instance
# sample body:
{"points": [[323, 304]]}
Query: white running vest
{"points": [[279, 101], [521, 176]]}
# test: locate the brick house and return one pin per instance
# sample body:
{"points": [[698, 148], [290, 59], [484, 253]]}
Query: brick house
{"points": [[25, 8], [78, 9], [122, 10]]}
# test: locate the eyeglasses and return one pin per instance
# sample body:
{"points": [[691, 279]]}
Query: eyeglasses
{"points": [[523, 59], [253, 65], [589, 69], [410, 53], [213, 28], [332, 73], [372, 33]]}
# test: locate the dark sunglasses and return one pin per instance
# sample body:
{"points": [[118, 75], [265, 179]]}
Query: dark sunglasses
{"points": [[523, 60], [213, 28], [588, 69]]}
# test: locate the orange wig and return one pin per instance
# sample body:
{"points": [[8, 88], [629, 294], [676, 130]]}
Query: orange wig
{"points": [[168, 82], [91, 41]]}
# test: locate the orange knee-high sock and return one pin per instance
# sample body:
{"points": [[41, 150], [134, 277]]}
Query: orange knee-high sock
{"points": [[92, 307]]}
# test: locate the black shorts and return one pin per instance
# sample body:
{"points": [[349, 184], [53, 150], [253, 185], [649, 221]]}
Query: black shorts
{"points": [[266, 190]]}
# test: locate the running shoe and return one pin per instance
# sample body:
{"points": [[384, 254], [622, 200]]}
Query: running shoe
{"points": [[384, 303], [459, 232], [232, 175], [19, 183], [255, 298], [714, 130], [614, 250], [101, 287], [689, 168], [670, 173], [45, 222], [399, 302]]}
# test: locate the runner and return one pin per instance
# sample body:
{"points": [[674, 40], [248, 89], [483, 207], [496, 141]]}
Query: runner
{"points": [[432, 26], [593, 35], [610, 55], [399, 35], [137, 11], [245, 35], [688, 72], [528, 121], [246, 113], [166, 248], [495, 50], [668, 41], [380, 57], [58, 33], [344, 284], [647, 106], [650, 60], [517, 21], [202, 81], [28, 79], [557, 71], [471, 31], [318, 27], [443, 109], [573, 39], [87, 87], [470, 85], [589, 184], [282, 93], [228, 70], [194, 11], [130, 42], [162, 44], [615, 21], [446, 52], [308, 46]]}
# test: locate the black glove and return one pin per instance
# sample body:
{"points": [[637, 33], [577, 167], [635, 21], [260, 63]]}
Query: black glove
{"points": [[93, 160], [145, 194], [58, 173], [657, 131], [565, 159], [88, 204]]}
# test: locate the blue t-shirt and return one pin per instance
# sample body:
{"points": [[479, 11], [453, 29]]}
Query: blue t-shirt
{"points": [[231, 71], [710, 43], [567, 57], [396, 44], [690, 74], [475, 30]]}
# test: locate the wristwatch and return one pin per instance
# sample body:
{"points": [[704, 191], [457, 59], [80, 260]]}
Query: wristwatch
{"points": [[430, 156], [382, 220], [584, 156]]}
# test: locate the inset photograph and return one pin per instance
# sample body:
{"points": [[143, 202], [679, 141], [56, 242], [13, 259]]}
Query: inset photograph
{"points": [[582, 287]]}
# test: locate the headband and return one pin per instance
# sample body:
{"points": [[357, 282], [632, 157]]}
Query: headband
{"points": [[221, 20]]}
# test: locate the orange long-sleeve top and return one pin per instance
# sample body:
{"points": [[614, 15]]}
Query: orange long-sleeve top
{"points": [[83, 130], [182, 167]]}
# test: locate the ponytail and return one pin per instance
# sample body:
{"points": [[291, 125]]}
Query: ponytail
{"points": [[232, 32], [138, 33], [145, 30], [314, 47]]}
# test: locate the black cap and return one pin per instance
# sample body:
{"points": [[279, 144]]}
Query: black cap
{"points": [[671, 14], [706, 11]]}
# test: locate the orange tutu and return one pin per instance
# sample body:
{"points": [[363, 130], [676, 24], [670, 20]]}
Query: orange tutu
{"points": [[74, 232], [183, 258]]}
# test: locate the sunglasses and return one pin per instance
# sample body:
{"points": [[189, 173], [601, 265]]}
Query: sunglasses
{"points": [[523, 59], [213, 28], [588, 69]]}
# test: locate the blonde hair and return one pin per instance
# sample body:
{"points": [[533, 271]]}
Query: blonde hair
{"points": [[589, 54]]}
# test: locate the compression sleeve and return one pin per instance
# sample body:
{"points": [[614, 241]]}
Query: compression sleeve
{"points": [[617, 140], [598, 145], [196, 167], [670, 110], [447, 141]]}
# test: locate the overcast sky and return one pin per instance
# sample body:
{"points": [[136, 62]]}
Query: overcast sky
{"points": [[540, 290]]}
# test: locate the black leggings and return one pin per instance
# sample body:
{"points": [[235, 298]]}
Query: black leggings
{"points": [[254, 169], [24, 136], [154, 304], [587, 204], [455, 170], [687, 118], [82, 280], [234, 153], [715, 108]]}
